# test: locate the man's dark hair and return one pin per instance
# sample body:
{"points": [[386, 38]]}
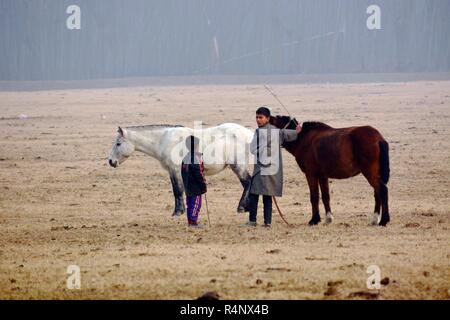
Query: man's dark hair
{"points": [[264, 111]]}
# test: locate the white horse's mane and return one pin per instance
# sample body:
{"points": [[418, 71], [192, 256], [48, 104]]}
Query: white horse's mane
{"points": [[154, 126]]}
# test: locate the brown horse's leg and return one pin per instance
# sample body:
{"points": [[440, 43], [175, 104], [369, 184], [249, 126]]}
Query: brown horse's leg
{"points": [[383, 190], [381, 197], [377, 203], [313, 184], [325, 190], [376, 212]]}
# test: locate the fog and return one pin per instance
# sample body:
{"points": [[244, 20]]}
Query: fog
{"points": [[146, 38]]}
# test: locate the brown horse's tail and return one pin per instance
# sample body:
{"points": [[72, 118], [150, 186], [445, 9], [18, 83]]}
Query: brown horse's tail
{"points": [[384, 161]]}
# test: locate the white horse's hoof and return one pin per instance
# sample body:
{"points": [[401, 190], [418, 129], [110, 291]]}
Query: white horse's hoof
{"points": [[375, 219], [240, 210], [329, 218]]}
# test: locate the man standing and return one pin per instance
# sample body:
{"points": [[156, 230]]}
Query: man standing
{"points": [[267, 179]]}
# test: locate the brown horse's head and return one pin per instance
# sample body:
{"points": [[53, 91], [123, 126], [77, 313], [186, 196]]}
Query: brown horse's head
{"points": [[283, 122]]}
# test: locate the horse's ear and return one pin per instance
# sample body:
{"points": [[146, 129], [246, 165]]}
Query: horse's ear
{"points": [[121, 131], [271, 119]]}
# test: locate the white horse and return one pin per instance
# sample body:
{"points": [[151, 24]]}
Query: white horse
{"points": [[226, 145]]}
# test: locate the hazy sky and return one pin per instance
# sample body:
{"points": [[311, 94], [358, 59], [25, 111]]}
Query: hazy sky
{"points": [[88, 39]]}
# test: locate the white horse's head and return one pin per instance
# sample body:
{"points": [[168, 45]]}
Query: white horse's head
{"points": [[121, 149]]}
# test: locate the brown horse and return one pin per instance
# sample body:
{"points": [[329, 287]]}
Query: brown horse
{"points": [[323, 152]]}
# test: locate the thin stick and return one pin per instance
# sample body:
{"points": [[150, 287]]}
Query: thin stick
{"points": [[279, 211], [276, 97], [207, 211], [281, 103]]}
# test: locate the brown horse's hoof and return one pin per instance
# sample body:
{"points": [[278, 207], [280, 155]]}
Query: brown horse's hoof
{"points": [[314, 221], [241, 210], [374, 220], [329, 218], [384, 222]]}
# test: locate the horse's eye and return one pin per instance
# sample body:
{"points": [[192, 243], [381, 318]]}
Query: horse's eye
{"points": [[118, 144]]}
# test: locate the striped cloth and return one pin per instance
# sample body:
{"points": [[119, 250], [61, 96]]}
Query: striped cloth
{"points": [[193, 204]]}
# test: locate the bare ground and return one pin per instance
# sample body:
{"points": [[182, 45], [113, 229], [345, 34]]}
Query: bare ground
{"points": [[60, 204]]}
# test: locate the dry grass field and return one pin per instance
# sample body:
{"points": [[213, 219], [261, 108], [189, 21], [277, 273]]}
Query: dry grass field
{"points": [[61, 204]]}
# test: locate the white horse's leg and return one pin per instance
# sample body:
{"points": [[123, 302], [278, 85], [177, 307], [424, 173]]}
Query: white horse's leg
{"points": [[244, 177], [178, 191]]}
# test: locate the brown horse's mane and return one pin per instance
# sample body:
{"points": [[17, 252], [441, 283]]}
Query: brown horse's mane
{"points": [[314, 125], [306, 128]]}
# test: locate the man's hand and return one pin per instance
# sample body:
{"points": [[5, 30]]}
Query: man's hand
{"points": [[299, 128]]}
